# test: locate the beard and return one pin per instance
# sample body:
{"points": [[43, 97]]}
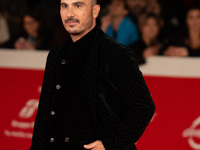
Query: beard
{"points": [[81, 27]]}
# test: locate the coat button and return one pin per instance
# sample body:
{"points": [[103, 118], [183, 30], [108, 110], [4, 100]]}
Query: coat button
{"points": [[63, 62], [52, 140], [58, 87], [67, 139], [52, 113]]}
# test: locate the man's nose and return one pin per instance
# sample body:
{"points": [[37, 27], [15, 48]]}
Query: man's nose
{"points": [[70, 12]]}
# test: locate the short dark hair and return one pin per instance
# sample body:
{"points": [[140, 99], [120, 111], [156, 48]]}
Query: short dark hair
{"points": [[145, 16], [34, 13], [194, 7], [123, 1]]}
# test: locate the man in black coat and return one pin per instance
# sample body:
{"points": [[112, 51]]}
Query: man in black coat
{"points": [[93, 94]]}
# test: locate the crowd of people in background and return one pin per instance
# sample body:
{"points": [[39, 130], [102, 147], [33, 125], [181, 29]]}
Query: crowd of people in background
{"points": [[148, 27]]}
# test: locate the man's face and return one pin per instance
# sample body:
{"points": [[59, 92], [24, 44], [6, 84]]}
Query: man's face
{"points": [[78, 16], [136, 6]]}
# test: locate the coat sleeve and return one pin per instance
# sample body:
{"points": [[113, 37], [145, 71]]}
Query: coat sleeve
{"points": [[139, 107], [40, 135]]}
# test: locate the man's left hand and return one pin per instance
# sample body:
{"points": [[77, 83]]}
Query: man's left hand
{"points": [[97, 145]]}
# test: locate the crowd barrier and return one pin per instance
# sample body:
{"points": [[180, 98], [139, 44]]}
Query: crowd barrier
{"points": [[173, 83]]}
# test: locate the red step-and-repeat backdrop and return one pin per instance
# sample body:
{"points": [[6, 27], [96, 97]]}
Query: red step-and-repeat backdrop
{"points": [[175, 125]]}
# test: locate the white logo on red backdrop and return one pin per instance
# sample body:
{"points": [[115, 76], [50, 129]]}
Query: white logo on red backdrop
{"points": [[28, 110], [19, 127], [22, 126], [193, 134]]}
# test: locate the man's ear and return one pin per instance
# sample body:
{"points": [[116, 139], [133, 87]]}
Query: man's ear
{"points": [[96, 10]]}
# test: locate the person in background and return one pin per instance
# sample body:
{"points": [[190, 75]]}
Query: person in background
{"points": [[136, 7], [105, 18], [172, 14], [4, 30], [12, 12], [122, 29], [148, 45], [153, 7], [189, 43], [32, 36]]}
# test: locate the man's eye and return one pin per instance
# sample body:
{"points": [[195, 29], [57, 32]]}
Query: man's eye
{"points": [[64, 6], [78, 6]]}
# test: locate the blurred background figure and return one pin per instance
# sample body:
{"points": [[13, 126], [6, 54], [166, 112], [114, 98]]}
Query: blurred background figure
{"points": [[121, 28], [105, 18], [32, 36], [4, 30], [136, 7], [153, 7], [187, 44], [12, 12], [148, 45], [118, 18]]}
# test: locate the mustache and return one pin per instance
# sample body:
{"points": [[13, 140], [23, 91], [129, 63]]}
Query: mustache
{"points": [[71, 19]]}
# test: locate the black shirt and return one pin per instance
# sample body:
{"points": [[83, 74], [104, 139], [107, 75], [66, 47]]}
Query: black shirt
{"points": [[72, 116]]}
